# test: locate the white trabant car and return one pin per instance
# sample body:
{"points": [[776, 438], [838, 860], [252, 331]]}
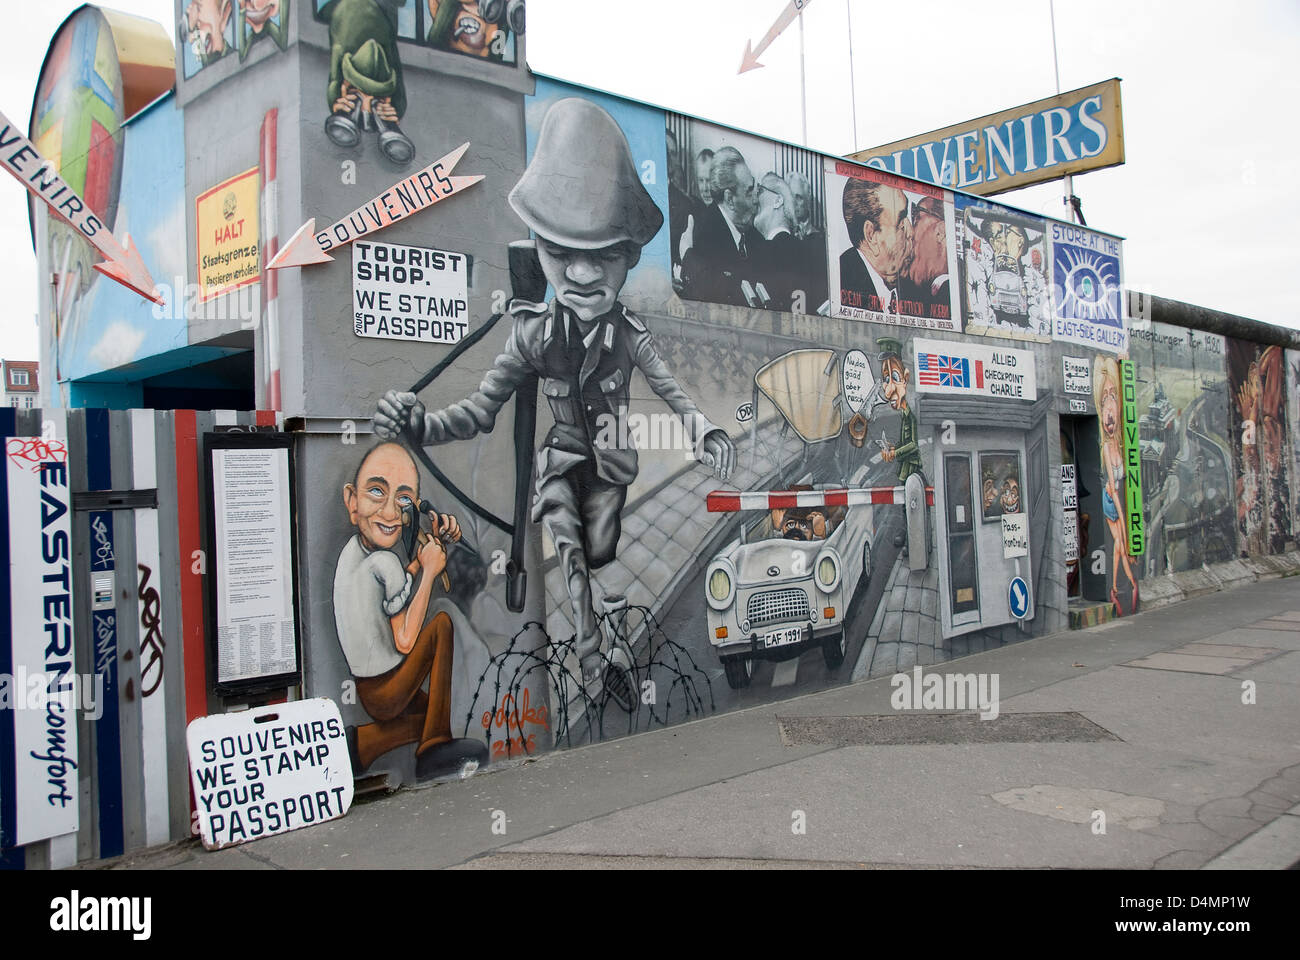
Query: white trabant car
{"points": [[785, 583]]}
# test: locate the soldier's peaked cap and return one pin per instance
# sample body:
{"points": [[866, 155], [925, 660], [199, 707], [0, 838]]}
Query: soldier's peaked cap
{"points": [[582, 189]]}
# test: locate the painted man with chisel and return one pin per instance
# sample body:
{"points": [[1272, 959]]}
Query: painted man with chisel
{"points": [[381, 602], [583, 198]]}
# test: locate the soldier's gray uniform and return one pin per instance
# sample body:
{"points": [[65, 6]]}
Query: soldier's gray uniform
{"points": [[581, 480]]}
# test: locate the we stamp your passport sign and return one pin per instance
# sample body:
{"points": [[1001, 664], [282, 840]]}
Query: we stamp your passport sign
{"points": [[401, 292], [267, 771]]}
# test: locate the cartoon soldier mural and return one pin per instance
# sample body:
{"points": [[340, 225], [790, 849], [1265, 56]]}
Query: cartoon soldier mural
{"points": [[366, 92], [583, 198], [263, 18], [206, 27], [893, 379], [475, 27]]}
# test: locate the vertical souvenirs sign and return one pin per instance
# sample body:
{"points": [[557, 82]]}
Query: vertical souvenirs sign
{"points": [[42, 799], [1087, 296], [1132, 461]]}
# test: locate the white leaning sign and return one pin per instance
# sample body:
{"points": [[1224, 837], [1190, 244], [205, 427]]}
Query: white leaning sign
{"points": [[401, 292], [41, 695], [1076, 375], [1015, 535], [268, 771]]}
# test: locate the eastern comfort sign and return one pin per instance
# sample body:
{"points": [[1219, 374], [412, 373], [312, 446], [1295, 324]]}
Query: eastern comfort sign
{"points": [[42, 710], [1040, 141]]}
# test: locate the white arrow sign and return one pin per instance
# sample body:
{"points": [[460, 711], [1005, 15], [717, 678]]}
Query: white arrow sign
{"points": [[787, 17], [417, 192], [123, 262]]}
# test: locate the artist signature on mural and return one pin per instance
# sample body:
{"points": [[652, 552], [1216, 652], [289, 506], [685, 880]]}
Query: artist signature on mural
{"points": [[34, 451], [513, 721]]}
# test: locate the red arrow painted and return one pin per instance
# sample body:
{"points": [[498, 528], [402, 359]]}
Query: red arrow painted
{"points": [[750, 59], [123, 262], [417, 192]]}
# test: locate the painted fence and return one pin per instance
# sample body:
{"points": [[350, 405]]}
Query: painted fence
{"points": [[137, 561]]}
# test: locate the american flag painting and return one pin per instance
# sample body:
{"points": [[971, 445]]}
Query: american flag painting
{"points": [[938, 370]]}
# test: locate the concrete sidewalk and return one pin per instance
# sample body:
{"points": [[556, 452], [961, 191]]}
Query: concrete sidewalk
{"points": [[1147, 725]]}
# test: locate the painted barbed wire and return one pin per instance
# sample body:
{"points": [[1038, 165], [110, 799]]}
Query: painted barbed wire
{"points": [[509, 670]]}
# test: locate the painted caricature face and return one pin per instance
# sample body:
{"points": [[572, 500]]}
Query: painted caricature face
{"points": [[1009, 242], [931, 248], [742, 203], [771, 213], [1109, 408], [894, 375], [802, 209], [206, 21], [588, 282], [386, 483], [702, 181], [990, 492], [1011, 495], [889, 247], [258, 12]]}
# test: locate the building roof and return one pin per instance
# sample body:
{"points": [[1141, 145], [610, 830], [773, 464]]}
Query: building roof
{"points": [[33, 369]]}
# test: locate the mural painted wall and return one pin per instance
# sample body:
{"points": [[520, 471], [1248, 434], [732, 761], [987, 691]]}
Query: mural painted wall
{"points": [[1187, 467], [210, 30], [109, 326], [1258, 425], [102, 70], [1293, 417], [728, 421]]}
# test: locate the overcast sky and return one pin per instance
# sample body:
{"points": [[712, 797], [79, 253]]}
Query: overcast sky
{"points": [[1208, 199]]}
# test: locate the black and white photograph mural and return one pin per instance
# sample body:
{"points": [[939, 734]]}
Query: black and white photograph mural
{"points": [[745, 219]]}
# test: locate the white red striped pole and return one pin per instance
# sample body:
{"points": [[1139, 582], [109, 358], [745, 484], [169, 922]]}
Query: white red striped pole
{"points": [[270, 247], [730, 501]]}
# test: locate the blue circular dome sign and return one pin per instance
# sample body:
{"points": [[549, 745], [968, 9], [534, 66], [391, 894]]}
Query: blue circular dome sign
{"points": [[1018, 598]]}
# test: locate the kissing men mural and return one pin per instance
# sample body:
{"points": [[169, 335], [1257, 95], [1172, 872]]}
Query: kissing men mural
{"points": [[897, 243]]}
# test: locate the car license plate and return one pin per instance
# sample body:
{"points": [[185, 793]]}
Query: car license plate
{"points": [[780, 638]]}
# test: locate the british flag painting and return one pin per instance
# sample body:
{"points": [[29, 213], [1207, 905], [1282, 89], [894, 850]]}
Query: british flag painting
{"points": [[939, 370]]}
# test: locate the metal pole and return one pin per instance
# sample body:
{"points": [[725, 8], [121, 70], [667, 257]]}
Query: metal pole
{"points": [[803, 81], [1056, 66], [853, 86]]}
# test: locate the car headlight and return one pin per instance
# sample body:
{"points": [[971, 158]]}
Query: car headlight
{"points": [[720, 584], [828, 571]]}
